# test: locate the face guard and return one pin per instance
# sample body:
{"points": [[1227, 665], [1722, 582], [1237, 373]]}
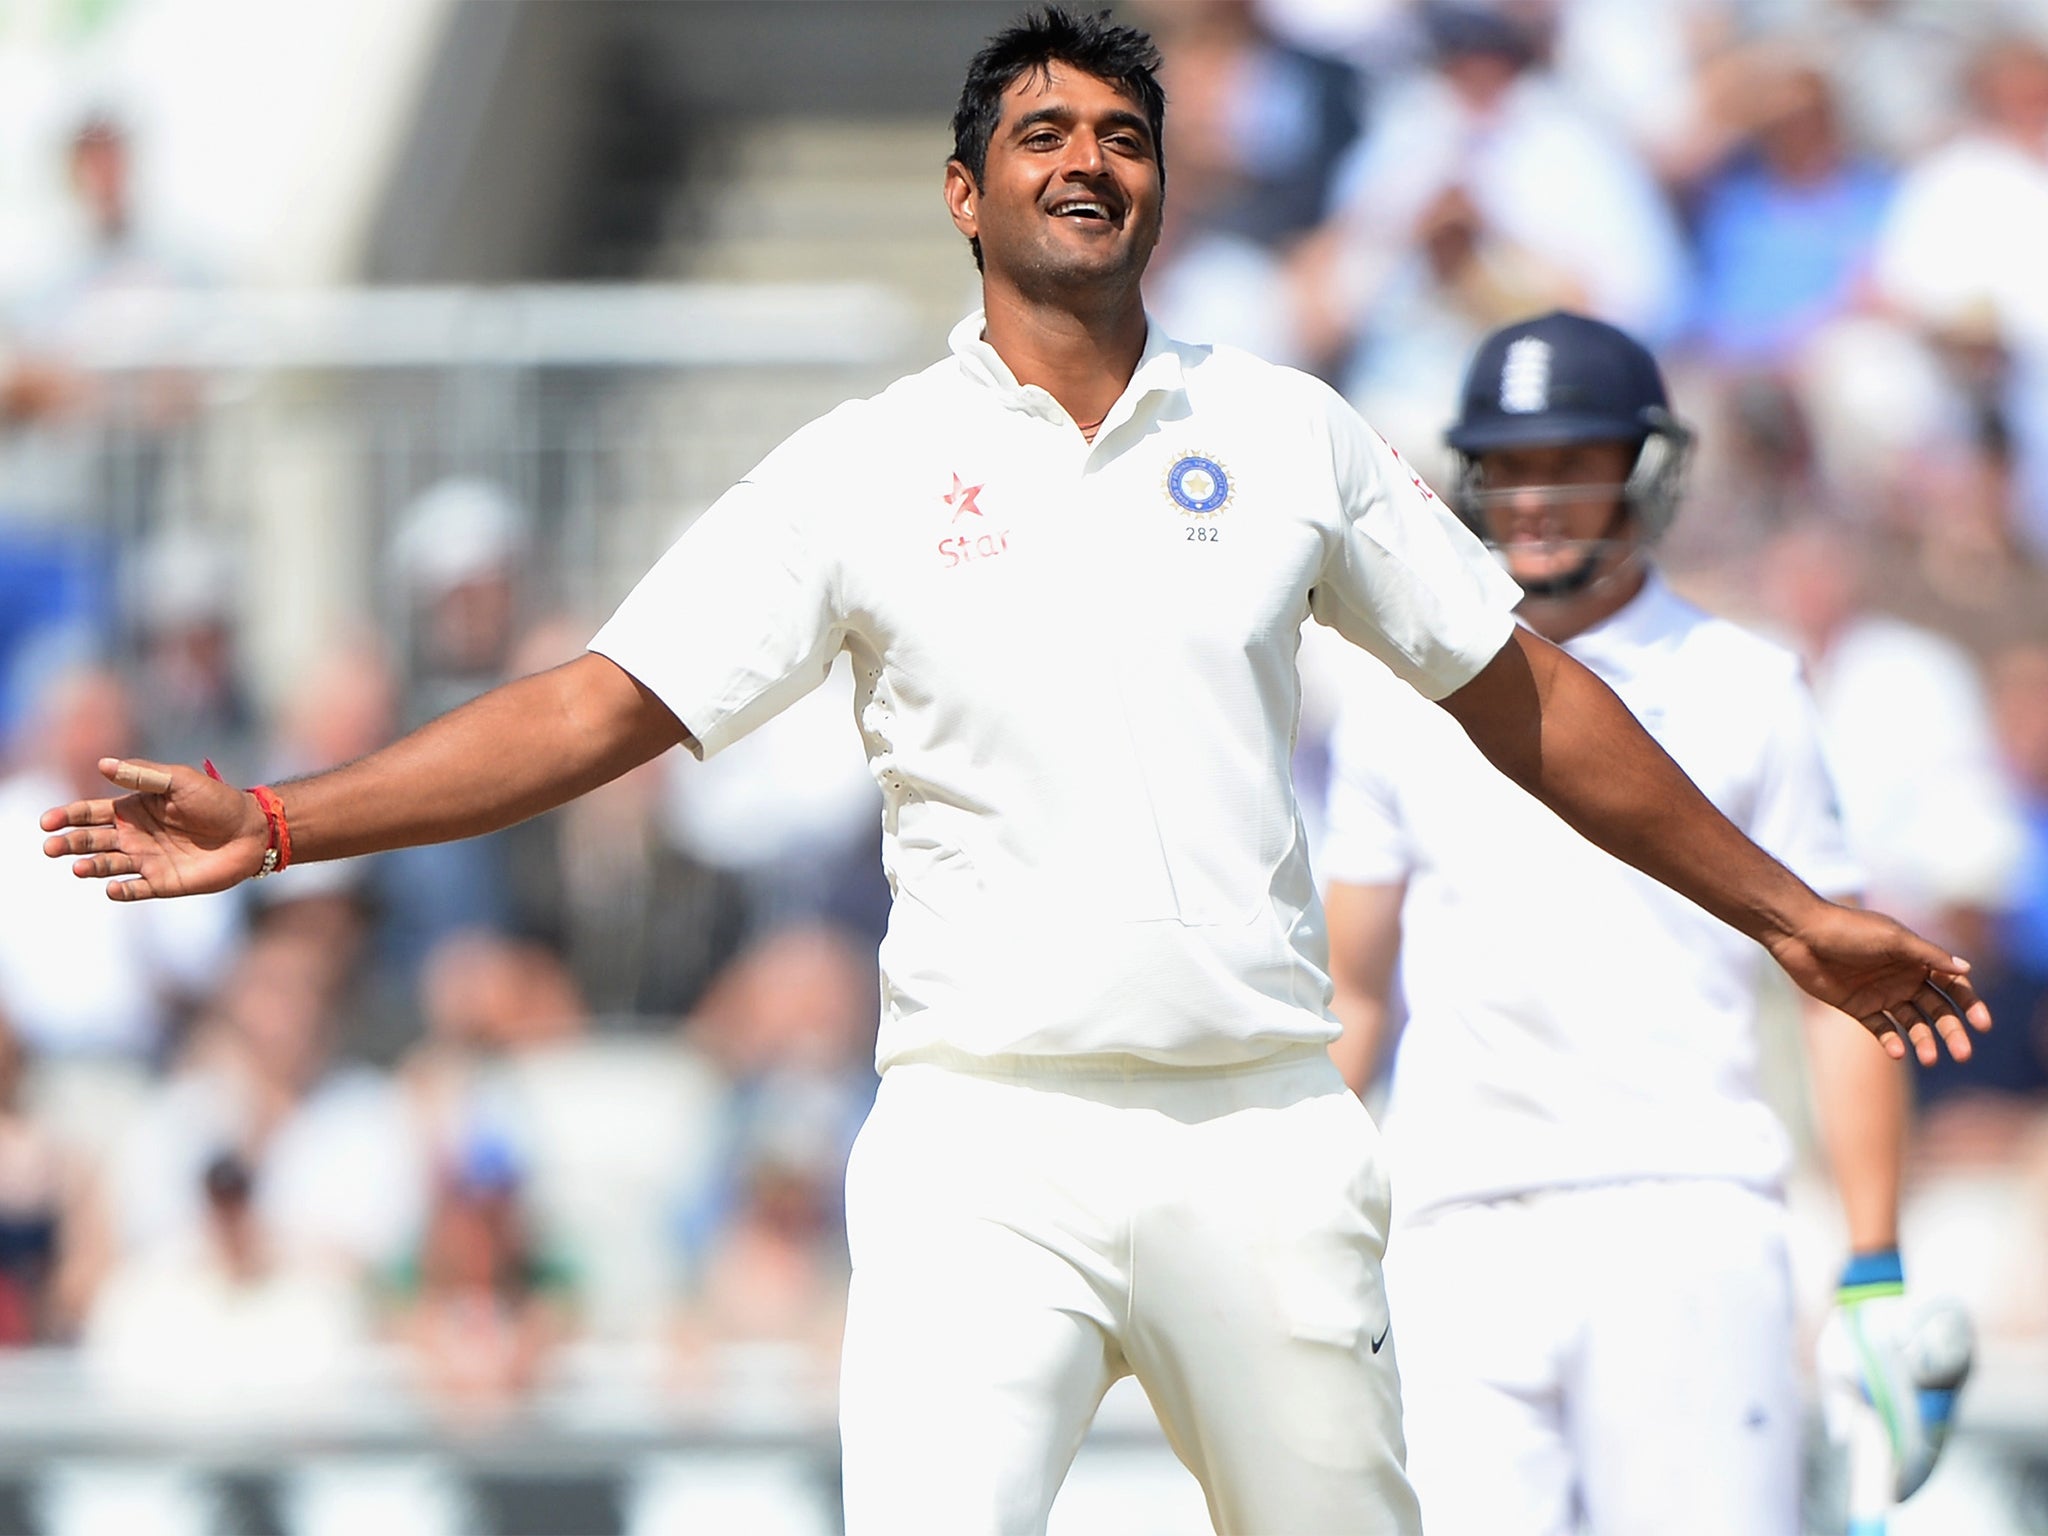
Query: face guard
{"points": [[1648, 499]]}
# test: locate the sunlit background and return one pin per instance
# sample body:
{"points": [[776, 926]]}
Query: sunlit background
{"points": [[358, 354]]}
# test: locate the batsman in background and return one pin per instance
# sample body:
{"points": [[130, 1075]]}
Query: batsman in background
{"points": [[1589, 1272], [1071, 562]]}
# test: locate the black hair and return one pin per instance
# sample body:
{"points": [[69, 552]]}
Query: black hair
{"points": [[1124, 56]]}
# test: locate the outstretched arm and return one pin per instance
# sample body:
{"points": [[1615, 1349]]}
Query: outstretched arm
{"points": [[1549, 724], [518, 750]]}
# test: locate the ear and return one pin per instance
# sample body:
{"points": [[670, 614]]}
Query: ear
{"points": [[963, 200]]}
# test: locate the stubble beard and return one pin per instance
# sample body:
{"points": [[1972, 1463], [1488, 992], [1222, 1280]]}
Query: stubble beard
{"points": [[1044, 274]]}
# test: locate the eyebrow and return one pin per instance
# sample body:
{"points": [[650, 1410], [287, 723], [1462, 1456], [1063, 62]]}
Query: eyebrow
{"points": [[1060, 115]]}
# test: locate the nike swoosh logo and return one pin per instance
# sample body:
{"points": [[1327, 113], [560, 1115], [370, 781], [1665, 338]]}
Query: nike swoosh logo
{"points": [[1376, 1343]]}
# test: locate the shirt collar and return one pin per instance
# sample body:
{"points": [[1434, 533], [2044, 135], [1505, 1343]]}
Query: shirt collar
{"points": [[1160, 370], [1638, 622]]}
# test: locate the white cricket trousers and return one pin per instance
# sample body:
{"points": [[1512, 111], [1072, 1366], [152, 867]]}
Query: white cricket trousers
{"points": [[1024, 1233], [1617, 1359]]}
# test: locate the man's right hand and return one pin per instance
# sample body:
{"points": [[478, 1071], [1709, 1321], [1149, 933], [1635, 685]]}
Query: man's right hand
{"points": [[179, 833]]}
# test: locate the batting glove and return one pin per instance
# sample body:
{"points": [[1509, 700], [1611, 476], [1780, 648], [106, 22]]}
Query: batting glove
{"points": [[1890, 1371]]}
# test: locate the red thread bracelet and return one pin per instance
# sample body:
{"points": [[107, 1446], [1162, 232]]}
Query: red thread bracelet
{"points": [[279, 854]]}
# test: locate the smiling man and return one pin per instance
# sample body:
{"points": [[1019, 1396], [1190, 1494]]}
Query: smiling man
{"points": [[1071, 563]]}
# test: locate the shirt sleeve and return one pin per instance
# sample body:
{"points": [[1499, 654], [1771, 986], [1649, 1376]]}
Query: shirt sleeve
{"points": [[1798, 815], [1364, 841], [1405, 579], [741, 617]]}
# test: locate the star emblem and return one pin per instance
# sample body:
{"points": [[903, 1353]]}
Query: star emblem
{"points": [[961, 499]]}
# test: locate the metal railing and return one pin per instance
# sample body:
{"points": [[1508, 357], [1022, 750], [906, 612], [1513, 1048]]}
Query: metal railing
{"points": [[294, 428]]}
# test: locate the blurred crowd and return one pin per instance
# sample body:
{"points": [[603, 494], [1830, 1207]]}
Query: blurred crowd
{"points": [[595, 1078]]}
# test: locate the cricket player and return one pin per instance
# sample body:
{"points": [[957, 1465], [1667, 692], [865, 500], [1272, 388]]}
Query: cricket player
{"points": [[1071, 562], [1589, 1265]]}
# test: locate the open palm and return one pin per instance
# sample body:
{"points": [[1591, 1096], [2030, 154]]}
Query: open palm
{"points": [[179, 833]]}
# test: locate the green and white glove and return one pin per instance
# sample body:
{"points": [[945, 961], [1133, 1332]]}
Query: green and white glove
{"points": [[1890, 1370]]}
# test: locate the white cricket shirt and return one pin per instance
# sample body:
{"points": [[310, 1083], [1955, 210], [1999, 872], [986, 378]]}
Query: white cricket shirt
{"points": [[1571, 1021], [1074, 676]]}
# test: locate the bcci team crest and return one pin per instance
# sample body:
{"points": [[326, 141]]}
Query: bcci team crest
{"points": [[1198, 485]]}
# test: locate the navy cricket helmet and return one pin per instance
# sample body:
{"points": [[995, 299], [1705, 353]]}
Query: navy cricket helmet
{"points": [[1560, 379]]}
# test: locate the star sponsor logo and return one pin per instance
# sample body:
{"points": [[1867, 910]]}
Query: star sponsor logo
{"points": [[962, 499], [974, 543]]}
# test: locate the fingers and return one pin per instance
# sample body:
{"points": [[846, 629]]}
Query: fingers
{"points": [[104, 866], [133, 773], [1954, 989], [1955, 1010], [79, 813], [98, 839], [136, 889], [1920, 1031], [1935, 1015], [1886, 1028]]}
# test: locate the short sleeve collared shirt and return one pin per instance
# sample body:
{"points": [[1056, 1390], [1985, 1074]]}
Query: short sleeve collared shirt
{"points": [[1074, 678], [1570, 1020]]}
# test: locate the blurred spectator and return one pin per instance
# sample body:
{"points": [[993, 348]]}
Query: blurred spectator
{"points": [[190, 693], [1957, 254], [1646, 67], [2020, 701], [1931, 819], [486, 999], [106, 279], [1480, 193], [1898, 448], [1373, 36], [1977, 1223], [105, 249], [792, 1024], [87, 980], [223, 1323], [610, 1132], [793, 813], [2014, 1064], [339, 1173], [458, 554], [347, 706], [1258, 128], [483, 1307], [1899, 65], [34, 1186], [1786, 226], [769, 1303], [1462, 280], [1541, 175], [642, 925]]}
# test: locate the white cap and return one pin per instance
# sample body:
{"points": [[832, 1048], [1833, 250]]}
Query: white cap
{"points": [[455, 531]]}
